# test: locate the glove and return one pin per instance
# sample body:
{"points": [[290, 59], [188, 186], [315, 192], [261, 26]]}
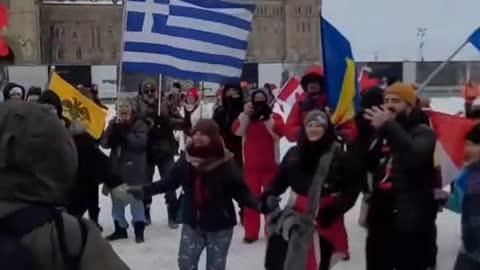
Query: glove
{"points": [[137, 192], [269, 204], [327, 216]]}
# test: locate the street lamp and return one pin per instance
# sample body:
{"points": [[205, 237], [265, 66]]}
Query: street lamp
{"points": [[421, 33]]}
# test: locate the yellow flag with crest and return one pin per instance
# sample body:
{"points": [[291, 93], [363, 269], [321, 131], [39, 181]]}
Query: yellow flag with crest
{"points": [[77, 107]]}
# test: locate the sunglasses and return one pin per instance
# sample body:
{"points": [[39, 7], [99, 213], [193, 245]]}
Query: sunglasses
{"points": [[149, 91]]}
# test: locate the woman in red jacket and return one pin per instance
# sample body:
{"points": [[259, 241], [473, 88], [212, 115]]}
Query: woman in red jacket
{"points": [[261, 131], [313, 83]]}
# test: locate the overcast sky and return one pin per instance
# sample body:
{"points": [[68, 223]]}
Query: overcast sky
{"points": [[389, 27]]}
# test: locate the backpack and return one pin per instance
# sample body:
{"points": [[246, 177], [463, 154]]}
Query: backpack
{"points": [[15, 255]]}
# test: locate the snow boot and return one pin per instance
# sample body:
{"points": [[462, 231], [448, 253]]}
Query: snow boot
{"points": [[247, 240], [148, 218], [139, 228], [119, 233], [172, 224]]}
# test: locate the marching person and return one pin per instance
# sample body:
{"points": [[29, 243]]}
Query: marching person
{"points": [[13, 91], [261, 130], [127, 139], [317, 150], [192, 111], [402, 212], [466, 187], [162, 146], [210, 180], [314, 86], [38, 172]]}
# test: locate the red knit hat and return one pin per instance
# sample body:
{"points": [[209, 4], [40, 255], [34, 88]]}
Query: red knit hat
{"points": [[193, 92]]}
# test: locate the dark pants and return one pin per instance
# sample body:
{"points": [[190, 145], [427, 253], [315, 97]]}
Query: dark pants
{"points": [[277, 249], [85, 199], [399, 251], [464, 262], [163, 166]]}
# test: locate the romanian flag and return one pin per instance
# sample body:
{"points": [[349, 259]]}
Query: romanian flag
{"points": [[340, 73], [77, 107]]}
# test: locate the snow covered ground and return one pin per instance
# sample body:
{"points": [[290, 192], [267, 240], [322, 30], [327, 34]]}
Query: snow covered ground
{"points": [[160, 249]]}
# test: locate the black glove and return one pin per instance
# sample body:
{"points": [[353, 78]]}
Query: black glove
{"points": [[269, 204]]}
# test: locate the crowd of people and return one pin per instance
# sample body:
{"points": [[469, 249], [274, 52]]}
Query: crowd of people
{"points": [[230, 154]]}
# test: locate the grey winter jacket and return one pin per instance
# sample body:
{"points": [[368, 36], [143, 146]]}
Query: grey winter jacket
{"points": [[128, 156]]}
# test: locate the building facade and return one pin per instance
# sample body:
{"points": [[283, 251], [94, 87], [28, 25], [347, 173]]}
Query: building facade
{"points": [[51, 32]]}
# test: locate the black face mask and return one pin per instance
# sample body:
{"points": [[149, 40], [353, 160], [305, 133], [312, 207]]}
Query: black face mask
{"points": [[262, 111]]}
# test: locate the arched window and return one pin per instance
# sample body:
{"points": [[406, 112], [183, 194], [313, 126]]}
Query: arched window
{"points": [[79, 53], [60, 53]]}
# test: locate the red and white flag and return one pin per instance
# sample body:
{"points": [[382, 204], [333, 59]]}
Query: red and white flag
{"points": [[4, 50], [449, 153], [365, 81], [291, 91]]}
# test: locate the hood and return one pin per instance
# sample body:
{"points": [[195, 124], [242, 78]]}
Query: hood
{"points": [[50, 97], [144, 83], [314, 73], [9, 87], [208, 165], [38, 158]]}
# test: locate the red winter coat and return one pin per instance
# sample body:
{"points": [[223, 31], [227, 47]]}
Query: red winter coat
{"points": [[261, 141]]}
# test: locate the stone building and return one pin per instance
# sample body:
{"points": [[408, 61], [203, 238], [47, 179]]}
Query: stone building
{"points": [[94, 38], [285, 31], [52, 32], [23, 32]]}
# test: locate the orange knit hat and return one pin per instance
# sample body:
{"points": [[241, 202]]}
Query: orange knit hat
{"points": [[404, 91]]}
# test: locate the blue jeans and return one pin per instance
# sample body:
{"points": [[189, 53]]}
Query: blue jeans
{"points": [[118, 212], [193, 242]]}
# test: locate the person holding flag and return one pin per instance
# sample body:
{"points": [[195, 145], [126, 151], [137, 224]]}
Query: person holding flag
{"points": [[331, 88]]}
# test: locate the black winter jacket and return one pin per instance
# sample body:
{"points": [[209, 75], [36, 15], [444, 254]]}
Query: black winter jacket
{"points": [[407, 205], [343, 179], [222, 182]]}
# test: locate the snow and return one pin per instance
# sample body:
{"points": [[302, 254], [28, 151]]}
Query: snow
{"points": [[161, 246]]}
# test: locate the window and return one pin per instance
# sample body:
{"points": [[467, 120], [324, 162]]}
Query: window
{"points": [[79, 53], [60, 53], [308, 27], [74, 35], [110, 31], [299, 10], [303, 27]]}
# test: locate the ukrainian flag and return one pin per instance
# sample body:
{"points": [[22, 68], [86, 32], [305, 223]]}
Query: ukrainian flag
{"points": [[340, 73]]}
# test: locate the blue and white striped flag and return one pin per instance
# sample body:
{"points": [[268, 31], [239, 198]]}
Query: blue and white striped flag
{"points": [[199, 40]]}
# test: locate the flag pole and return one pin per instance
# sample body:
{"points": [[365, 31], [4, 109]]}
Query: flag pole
{"points": [[122, 45], [440, 68]]}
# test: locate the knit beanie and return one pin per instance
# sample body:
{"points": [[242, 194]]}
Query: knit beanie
{"points": [[317, 116], [211, 129], [404, 91]]}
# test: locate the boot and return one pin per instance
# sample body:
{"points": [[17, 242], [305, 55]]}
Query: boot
{"points": [[148, 219], [139, 228], [172, 224], [98, 225], [119, 233]]}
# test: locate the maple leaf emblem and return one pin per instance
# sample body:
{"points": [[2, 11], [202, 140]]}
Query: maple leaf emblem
{"points": [[76, 110]]}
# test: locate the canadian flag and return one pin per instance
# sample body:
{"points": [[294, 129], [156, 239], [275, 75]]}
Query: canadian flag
{"points": [[365, 81], [449, 153], [291, 91]]}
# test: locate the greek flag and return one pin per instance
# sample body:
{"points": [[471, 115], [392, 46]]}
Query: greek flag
{"points": [[199, 40]]}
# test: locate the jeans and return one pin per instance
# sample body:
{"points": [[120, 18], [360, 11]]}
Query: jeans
{"points": [[118, 212], [193, 242], [171, 200]]}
